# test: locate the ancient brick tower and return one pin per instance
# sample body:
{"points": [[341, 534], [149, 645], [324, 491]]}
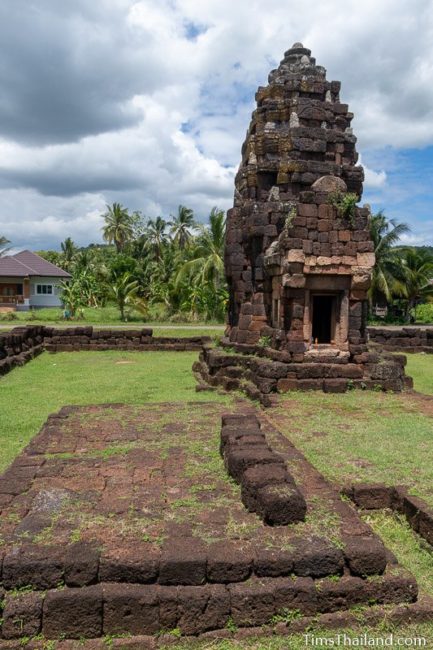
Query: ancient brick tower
{"points": [[298, 252]]}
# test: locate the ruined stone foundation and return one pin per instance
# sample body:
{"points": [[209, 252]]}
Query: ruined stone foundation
{"points": [[298, 251]]}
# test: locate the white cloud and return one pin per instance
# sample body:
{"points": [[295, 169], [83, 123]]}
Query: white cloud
{"points": [[421, 238], [373, 179], [172, 85], [32, 220]]}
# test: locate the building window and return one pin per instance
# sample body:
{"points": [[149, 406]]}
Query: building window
{"points": [[44, 289]]}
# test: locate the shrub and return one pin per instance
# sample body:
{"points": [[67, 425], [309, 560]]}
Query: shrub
{"points": [[158, 311], [424, 313], [9, 315], [345, 203]]}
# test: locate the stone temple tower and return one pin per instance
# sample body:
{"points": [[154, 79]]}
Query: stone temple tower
{"points": [[298, 251]]}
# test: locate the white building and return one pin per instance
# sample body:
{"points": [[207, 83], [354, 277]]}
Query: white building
{"points": [[27, 280]]}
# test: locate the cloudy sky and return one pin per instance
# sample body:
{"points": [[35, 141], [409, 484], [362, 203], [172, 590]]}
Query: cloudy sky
{"points": [[146, 102]]}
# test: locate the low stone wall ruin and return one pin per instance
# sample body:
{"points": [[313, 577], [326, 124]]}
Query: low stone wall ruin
{"points": [[261, 372], [22, 344], [377, 496], [402, 339], [19, 346], [74, 339], [101, 609], [267, 487]]}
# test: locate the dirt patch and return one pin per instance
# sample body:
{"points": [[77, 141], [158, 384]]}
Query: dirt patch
{"points": [[361, 462], [419, 401]]}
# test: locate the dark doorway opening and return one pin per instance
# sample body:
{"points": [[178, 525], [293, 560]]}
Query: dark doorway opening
{"points": [[323, 319]]}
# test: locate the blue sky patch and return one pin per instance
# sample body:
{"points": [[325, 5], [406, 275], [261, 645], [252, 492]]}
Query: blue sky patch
{"points": [[406, 193], [193, 30]]}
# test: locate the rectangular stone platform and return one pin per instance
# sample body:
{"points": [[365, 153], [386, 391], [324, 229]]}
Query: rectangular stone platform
{"points": [[122, 519], [260, 371]]}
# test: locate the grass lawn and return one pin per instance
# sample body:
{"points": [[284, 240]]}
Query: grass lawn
{"points": [[365, 436], [108, 315], [29, 394], [420, 367], [368, 437], [359, 436]]}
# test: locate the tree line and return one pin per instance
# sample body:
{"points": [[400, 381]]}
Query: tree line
{"points": [[161, 268], [174, 269], [403, 275]]}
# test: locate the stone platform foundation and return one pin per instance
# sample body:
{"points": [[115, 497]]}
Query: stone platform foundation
{"points": [[261, 372], [190, 574]]}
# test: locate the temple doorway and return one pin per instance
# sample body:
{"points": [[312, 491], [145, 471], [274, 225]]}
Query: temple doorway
{"points": [[323, 330]]}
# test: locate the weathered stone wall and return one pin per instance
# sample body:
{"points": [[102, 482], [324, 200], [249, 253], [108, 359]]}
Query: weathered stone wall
{"points": [[19, 346], [403, 339], [101, 609], [22, 344], [261, 372], [375, 496], [86, 338], [85, 590]]}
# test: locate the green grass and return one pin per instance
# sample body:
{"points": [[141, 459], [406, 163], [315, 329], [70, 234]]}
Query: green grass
{"points": [[424, 314], [108, 315], [420, 367], [182, 332], [410, 549], [31, 393], [323, 638], [359, 436], [362, 437]]}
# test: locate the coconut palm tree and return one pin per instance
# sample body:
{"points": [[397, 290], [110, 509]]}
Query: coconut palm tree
{"points": [[83, 261], [208, 263], [417, 284], [3, 243], [181, 225], [119, 227], [387, 272], [69, 250], [156, 237]]}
